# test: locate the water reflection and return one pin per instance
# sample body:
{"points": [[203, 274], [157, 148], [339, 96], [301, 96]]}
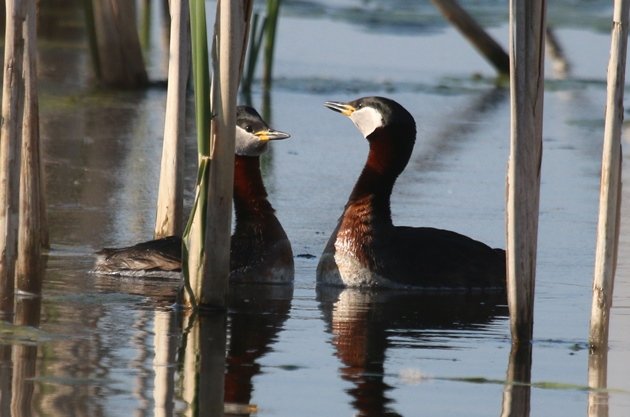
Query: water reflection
{"points": [[363, 325], [161, 291], [167, 337], [203, 363], [18, 363], [450, 134], [597, 383], [213, 345], [517, 391], [257, 314], [179, 363]]}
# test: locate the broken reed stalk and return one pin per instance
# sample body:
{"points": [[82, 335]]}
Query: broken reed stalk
{"points": [[10, 149], [527, 31], [475, 34], [610, 191], [32, 224], [170, 191]]}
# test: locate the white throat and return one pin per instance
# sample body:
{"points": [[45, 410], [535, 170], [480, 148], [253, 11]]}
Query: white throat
{"points": [[367, 120]]}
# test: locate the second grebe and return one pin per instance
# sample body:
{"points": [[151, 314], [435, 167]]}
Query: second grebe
{"points": [[260, 250]]}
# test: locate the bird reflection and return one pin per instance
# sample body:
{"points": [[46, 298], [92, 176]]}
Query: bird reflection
{"points": [[256, 315], [363, 323]]}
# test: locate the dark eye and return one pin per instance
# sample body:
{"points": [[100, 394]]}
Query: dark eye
{"points": [[249, 129], [360, 106]]}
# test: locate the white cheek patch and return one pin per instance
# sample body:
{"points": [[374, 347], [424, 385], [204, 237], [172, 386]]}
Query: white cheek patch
{"points": [[241, 141], [367, 120], [248, 144]]}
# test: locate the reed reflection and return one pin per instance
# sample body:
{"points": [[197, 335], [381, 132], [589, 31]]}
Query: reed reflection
{"points": [[517, 391], [364, 323], [18, 360], [598, 383], [256, 315], [167, 333], [202, 363]]}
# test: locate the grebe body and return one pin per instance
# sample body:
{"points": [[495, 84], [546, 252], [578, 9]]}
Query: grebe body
{"points": [[367, 250]]}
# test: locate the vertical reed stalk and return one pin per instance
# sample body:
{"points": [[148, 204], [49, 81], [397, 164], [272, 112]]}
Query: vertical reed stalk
{"points": [[10, 149], [118, 44], [207, 246], [255, 41], [32, 223], [273, 10], [610, 192], [231, 28], [170, 192], [144, 31], [90, 24], [527, 34], [194, 235]]}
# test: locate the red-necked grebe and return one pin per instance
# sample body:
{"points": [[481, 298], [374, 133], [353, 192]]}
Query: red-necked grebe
{"points": [[260, 250], [367, 250]]}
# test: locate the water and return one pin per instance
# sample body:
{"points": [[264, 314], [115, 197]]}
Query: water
{"points": [[114, 347]]}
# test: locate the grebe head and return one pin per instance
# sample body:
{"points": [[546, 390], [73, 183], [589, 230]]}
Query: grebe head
{"points": [[252, 133], [389, 128], [370, 114]]}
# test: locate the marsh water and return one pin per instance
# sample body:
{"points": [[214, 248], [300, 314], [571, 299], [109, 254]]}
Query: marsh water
{"points": [[104, 346]]}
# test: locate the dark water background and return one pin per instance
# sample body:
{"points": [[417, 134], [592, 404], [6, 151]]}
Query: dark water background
{"points": [[108, 347]]}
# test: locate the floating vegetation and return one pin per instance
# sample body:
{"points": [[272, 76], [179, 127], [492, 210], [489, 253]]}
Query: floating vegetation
{"points": [[323, 85], [24, 335]]}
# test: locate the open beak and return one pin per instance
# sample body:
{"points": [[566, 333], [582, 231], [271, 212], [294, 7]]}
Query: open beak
{"points": [[342, 108], [270, 134]]}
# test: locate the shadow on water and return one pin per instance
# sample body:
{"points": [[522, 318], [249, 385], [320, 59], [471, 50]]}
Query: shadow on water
{"points": [[363, 325]]}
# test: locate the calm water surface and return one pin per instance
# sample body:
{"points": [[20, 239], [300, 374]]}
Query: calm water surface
{"points": [[110, 347]]}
